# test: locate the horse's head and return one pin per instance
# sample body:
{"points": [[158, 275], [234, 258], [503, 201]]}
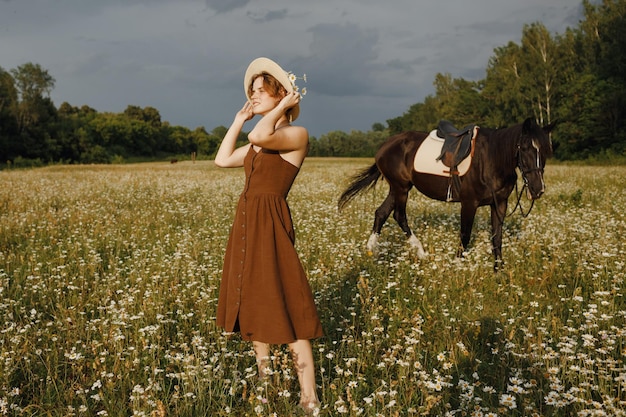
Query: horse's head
{"points": [[533, 149]]}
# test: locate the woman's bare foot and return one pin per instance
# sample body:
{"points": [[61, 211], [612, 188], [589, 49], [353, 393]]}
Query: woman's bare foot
{"points": [[310, 408]]}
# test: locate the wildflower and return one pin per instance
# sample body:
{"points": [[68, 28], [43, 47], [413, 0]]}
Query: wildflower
{"points": [[553, 370], [516, 389], [551, 398], [463, 385], [507, 400], [292, 79]]}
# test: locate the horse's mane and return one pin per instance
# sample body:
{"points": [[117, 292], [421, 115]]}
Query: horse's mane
{"points": [[502, 144], [545, 144]]}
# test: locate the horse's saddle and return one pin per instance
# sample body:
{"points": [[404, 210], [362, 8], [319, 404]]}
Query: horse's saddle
{"points": [[455, 149], [457, 143]]}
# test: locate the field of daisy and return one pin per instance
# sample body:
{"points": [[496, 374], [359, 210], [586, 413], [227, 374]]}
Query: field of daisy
{"points": [[109, 278]]}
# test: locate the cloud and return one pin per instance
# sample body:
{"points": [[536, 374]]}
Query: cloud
{"points": [[366, 61], [342, 58], [223, 6], [267, 15]]}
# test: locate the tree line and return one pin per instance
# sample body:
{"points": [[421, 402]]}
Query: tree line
{"points": [[576, 78], [34, 132]]}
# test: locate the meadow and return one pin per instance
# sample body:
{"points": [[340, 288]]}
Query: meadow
{"points": [[109, 278]]}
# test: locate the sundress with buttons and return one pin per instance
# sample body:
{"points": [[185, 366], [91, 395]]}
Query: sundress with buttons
{"points": [[264, 293]]}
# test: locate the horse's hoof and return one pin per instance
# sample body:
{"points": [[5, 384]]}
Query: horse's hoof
{"points": [[371, 245], [498, 265]]}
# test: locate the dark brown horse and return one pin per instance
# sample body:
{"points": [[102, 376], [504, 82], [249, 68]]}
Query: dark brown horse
{"points": [[490, 179]]}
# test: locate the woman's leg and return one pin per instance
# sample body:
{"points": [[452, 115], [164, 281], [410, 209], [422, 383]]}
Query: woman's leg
{"points": [[262, 353], [302, 354]]}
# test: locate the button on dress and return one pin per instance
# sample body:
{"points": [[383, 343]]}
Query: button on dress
{"points": [[264, 292]]}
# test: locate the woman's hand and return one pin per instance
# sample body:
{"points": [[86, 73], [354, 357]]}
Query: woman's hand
{"points": [[290, 100], [246, 112]]}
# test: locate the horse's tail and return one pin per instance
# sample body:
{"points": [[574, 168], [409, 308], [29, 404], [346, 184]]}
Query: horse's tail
{"points": [[365, 179]]}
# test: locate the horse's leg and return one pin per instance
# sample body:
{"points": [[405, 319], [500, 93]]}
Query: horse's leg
{"points": [[399, 214], [380, 217], [468, 212], [498, 211]]}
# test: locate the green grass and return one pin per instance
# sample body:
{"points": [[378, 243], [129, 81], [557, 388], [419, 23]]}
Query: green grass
{"points": [[109, 278]]}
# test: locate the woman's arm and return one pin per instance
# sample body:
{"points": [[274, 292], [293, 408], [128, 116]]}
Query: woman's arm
{"points": [[265, 134], [227, 156]]}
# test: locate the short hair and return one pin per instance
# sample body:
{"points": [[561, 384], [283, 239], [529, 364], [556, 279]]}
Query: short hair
{"points": [[271, 85]]}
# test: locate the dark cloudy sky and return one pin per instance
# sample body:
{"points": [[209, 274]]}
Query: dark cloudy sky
{"points": [[366, 61]]}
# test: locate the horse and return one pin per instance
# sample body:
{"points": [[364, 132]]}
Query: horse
{"points": [[489, 180]]}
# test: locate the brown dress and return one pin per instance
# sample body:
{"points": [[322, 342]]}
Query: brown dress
{"points": [[264, 293]]}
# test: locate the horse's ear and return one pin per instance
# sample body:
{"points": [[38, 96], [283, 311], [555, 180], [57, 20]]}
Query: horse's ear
{"points": [[528, 125], [549, 128]]}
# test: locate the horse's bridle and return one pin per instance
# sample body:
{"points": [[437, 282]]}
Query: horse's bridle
{"points": [[524, 171]]}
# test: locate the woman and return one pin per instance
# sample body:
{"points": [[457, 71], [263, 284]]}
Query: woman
{"points": [[264, 293]]}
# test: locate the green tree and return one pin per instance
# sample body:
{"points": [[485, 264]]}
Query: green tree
{"points": [[378, 127], [540, 69], [175, 139], [458, 100], [420, 116], [34, 113], [206, 144], [604, 46], [593, 92], [501, 87], [33, 84], [148, 114], [8, 93], [8, 120]]}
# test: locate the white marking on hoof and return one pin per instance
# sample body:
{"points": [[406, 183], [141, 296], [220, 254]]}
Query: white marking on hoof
{"points": [[416, 244], [372, 244]]}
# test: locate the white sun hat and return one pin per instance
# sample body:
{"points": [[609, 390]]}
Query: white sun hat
{"points": [[263, 64]]}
